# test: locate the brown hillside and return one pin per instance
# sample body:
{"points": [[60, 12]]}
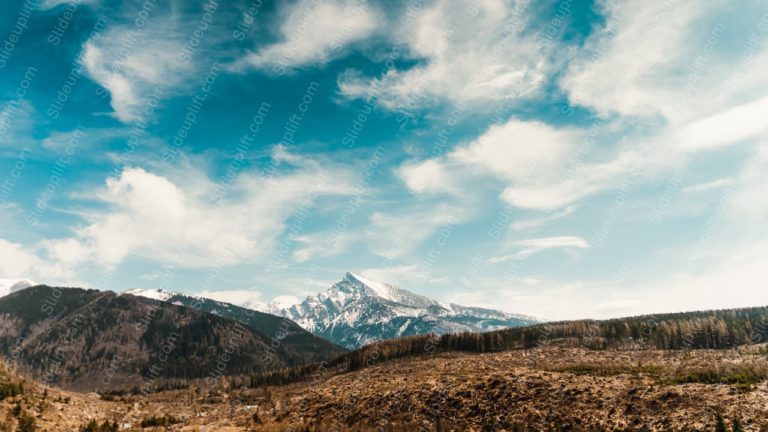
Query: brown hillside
{"points": [[549, 389]]}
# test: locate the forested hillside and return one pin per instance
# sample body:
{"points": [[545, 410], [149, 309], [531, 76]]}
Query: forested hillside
{"points": [[719, 329], [288, 332], [98, 340]]}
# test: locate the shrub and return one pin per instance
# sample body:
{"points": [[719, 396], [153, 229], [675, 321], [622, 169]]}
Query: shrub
{"points": [[741, 376], [165, 420], [26, 423], [720, 425], [10, 390], [93, 426], [737, 426]]}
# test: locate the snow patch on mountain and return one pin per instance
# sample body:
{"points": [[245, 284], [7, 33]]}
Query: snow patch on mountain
{"points": [[151, 293], [379, 289]]}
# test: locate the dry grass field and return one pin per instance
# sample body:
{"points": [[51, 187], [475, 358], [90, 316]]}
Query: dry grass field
{"points": [[547, 389]]}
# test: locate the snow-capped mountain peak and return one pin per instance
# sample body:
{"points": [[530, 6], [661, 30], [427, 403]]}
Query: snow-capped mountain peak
{"points": [[385, 291], [358, 310], [377, 289]]}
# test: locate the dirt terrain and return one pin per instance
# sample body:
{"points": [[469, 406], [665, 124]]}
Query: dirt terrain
{"points": [[538, 390]]}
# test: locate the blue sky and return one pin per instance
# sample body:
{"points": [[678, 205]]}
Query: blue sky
{"points": [[561, 158]]}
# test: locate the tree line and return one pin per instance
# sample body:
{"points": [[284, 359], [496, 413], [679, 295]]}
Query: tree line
{"points": [[719, 329]]}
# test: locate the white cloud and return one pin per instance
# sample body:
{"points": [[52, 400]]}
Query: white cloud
{"points": [[470, 52], [17, 119], [176, 220], [732, 126], [538, 166], [714, 184], [530, 247], [323, 244], [518, 151], [749, 201], [430, 176], [530, 162], [395, 234], [314, 32], [67, 251], [151, 50], [527, 224], [553, 242], [581, 179], [83, 139], [625, 64], [680, 61], [640, 63], [50, 4], [696, 70], [18, 261], [131, 64]]}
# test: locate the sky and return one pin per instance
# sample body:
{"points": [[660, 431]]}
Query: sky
{"points": [[564, 159]]}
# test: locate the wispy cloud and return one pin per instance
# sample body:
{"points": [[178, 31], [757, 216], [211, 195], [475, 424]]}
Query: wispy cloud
{"points": [[314, 33], [634, 48], [530, 247], [323, 244], [732, 126], [527, 224], [50, 4], [714, 184], [474, 53], [394, 234], [17, 118], [131, 64]]}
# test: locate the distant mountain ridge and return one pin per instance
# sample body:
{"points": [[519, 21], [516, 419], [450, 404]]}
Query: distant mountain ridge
{"points": [[356, 311], [288, 331], [78, 338]]}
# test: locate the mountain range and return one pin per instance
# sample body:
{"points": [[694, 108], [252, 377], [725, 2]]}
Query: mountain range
{"points": [[130, 327], [356, 311], [78, 339]]}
